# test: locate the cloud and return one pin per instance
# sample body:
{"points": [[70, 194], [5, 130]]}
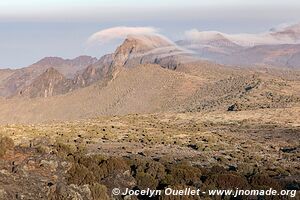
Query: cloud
{"points": [[280, 35], [121, 32]]}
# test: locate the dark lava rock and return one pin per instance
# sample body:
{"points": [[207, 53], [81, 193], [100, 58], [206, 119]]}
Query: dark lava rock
{"points": [[234, 107], [288, 149]]}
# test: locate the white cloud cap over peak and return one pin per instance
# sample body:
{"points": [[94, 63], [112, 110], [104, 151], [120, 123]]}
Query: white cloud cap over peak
{"points": [[121, 32], [282, 35]]}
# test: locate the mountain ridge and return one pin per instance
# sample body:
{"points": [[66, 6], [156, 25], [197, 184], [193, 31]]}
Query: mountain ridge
{"points": [[21, 78], [146, 79], [278, 47]]}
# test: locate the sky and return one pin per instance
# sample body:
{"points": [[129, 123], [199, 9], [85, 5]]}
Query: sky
{"points": [[33, 29]]}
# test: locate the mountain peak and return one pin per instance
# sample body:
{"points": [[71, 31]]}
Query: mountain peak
{"points": [[82, 60], [50, 61], [143, 43], [53, 61], [148, 42], [50, 83], [138, 44], [204, 36]]}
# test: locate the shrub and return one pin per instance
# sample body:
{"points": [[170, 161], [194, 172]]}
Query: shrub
{"points": [[264, 182], [226, 181], [154, 168], [247, 169], [145, 180], [80, 175], [185, 174], [99, 192], [64, 150], [113, 165], [6, 144], [97, 166]]}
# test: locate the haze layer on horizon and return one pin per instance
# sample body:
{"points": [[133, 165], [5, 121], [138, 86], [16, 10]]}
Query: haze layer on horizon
{"points": [[33, 29]]}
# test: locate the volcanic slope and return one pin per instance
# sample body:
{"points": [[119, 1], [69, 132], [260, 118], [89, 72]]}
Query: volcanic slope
{"points": [[132, 86], [142, 89]]}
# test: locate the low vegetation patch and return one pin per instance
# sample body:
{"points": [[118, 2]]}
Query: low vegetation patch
{"points": [[6, 144]]}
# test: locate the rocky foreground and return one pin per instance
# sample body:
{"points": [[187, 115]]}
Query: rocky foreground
{"points": [[87, 159]]}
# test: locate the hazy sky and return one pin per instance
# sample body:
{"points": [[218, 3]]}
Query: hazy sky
{"points": [[33, 29]]}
